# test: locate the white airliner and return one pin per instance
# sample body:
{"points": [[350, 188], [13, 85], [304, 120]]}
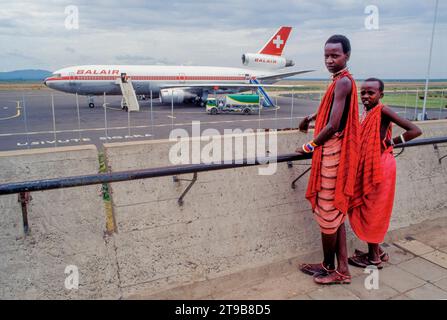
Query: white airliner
{"points": [[180, 83]]}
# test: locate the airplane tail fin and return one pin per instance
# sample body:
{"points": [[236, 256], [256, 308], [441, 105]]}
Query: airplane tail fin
{"points": [[277, 42]]}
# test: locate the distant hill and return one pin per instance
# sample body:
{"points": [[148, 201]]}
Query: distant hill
{"points": [[24, 75]]}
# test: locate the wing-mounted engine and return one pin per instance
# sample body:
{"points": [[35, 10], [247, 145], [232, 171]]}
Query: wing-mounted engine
{"points": [[176, 96], [265, 61]]}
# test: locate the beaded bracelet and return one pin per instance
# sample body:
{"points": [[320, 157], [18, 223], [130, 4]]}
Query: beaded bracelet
{"points": [[309, 147]]}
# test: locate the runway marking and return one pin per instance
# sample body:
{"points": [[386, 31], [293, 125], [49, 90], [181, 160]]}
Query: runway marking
{"points": [[143, 127], [104, 105], [79, 140], [202, 112], [171, 117], [178, 112], [112, 108], [14, 116]]}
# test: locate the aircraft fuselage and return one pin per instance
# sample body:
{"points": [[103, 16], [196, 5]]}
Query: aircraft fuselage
{"points": [[100, 79]]}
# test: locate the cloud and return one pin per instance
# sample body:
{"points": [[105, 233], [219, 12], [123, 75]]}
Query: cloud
{"points": [[217, 33], [136, 59]]}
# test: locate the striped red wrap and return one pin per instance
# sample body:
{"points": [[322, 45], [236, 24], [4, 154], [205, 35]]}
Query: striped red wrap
{"points": [[349, 156]]}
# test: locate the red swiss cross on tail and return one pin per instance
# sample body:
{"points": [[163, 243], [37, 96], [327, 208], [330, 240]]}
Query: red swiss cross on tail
{"points": [[276, 43]]}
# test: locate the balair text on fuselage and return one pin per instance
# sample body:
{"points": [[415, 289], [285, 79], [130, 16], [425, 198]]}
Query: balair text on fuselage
{"points": [[97, 72]]}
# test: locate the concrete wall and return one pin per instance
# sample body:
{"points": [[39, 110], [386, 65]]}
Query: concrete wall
{"points": [[231, 221], [67, 228], [421, 180], [236, 219]]}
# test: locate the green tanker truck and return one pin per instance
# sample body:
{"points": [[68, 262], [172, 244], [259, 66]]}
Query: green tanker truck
{"points": [[234, 103]]}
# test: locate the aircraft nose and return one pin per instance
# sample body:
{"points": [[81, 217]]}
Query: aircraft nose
{"points": [[48, 82]]}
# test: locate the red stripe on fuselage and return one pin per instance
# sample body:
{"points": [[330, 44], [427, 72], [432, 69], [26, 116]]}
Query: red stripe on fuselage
{"points": [[154, 78]]}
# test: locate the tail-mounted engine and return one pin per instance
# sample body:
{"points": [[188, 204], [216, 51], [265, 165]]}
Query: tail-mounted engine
{"points": [[265, 61]]}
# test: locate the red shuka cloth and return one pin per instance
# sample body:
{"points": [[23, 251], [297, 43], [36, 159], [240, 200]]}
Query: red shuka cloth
{"points": [[369, 172], [347, 169], [373, 199]]}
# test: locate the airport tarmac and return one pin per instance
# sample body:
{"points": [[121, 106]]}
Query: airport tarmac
{"points": [[36, 119], [32, 124]]}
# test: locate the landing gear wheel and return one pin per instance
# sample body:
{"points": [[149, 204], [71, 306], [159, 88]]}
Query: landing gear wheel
{"points": [[124, 105], [91, 105]]}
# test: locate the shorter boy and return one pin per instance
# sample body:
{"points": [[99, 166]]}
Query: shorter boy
{"points": [[372, 204]]}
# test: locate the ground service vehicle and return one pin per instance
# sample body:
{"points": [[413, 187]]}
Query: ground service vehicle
{"points": [[234, 103]]}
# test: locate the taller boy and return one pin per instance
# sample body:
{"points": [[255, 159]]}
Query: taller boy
{"points": [[334, 162]]}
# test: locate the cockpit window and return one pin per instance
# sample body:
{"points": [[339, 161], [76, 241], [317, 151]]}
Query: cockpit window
{"points": [[56, 75]]}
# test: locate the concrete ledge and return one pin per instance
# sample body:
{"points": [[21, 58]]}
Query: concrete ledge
{"points": [[67, 228]]}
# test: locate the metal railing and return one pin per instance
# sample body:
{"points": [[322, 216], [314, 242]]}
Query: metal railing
{"points": [[25, 188], [100, 178]]}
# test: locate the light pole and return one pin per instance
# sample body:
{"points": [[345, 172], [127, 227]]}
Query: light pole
{"points": [[429, 60]]}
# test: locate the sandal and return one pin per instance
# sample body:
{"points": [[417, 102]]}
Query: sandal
{"points": [[384, 256], [362, 261], [314, 269], [334, 277]]}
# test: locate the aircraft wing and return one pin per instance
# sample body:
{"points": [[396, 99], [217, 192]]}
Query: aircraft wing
{"points": [[215, 86], [279, 76], [221, 86]]}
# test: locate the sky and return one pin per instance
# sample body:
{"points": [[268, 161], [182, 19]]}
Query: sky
{"points": [[390, 41]]}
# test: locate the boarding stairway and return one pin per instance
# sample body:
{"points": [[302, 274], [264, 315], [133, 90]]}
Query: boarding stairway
{"points": [[267, 100], [130, 101]]}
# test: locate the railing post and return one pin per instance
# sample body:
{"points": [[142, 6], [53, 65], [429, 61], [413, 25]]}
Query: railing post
{"points": [[24, 199]]}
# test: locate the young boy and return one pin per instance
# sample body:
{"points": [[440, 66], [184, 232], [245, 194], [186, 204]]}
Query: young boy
{"points": [[334, 162], [372, 203]]}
